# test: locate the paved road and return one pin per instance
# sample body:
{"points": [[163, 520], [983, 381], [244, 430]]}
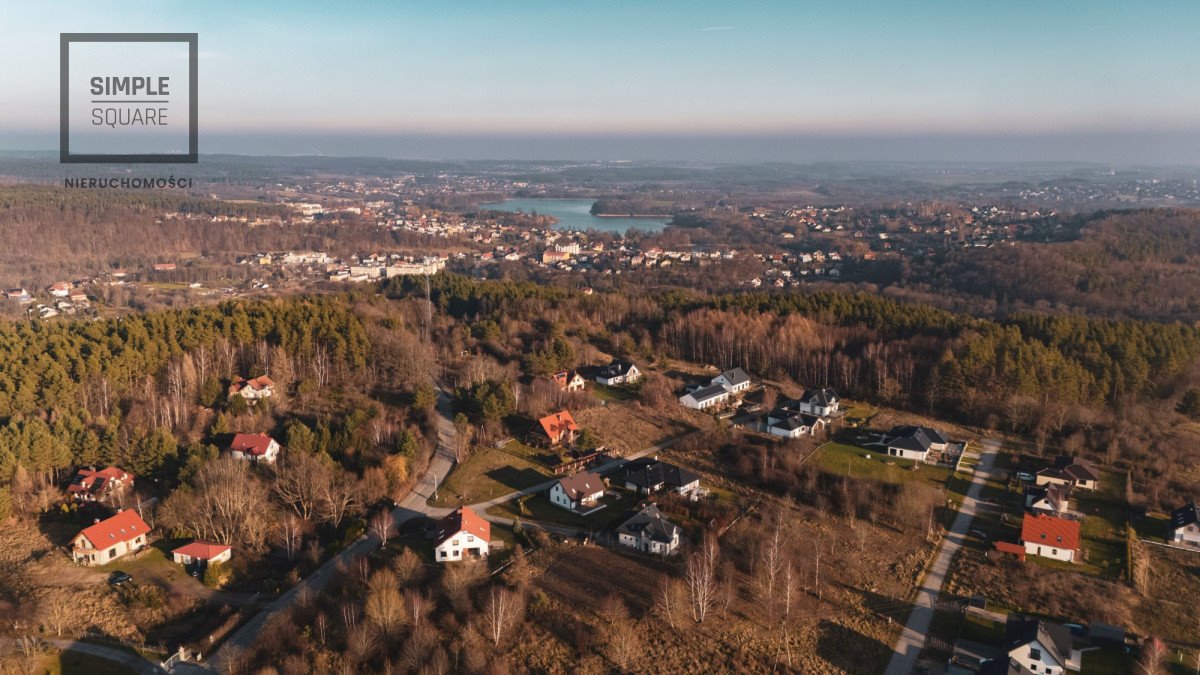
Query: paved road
{"points": [[912, 638], [411, 506]]}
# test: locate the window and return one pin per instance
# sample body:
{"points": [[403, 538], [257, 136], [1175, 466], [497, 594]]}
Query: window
{"points": [[1035, 654], [470, 538]]}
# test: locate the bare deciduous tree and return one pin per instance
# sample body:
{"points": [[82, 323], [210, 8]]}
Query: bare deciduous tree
{"points": [[500, 612], [700, 575], [671, 600]]}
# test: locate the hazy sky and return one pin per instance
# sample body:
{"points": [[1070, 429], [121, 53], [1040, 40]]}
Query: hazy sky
{"points": [[950, 70]]}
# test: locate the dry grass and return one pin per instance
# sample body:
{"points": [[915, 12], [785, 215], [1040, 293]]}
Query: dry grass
{"points": [[630, 427], [865, 581]]}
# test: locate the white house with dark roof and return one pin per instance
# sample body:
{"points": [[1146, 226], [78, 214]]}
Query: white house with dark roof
{"points": [[649, 531], [786, 424], [1040, 646], [577, 492], [705, 397], [648, 476], [820, 402], [734, 380], [617, 373], [910, 441], [1185, 526]]}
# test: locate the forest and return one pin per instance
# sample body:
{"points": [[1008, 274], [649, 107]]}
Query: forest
{"points": [[1066, 382], [1125, 264]]}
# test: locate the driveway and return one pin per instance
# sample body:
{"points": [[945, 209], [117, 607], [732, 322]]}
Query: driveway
{"points": [[912, 638]]}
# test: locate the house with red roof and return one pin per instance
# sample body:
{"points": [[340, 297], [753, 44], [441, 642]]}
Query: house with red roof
{"points": [[252, 390], [202, 553], [90, 485], [462, 534], [557, 429], [254, 447], [569, 380], [1050, 537], [110, 539]]}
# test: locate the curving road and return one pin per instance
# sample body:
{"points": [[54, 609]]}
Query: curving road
{"points": [[412, 506], [912, 638]]}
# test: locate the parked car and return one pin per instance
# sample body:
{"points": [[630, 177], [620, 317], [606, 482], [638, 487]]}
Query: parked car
{"points": [[119, 578]]}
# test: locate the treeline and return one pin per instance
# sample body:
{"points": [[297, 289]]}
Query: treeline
{"points": [[117, 392], [1135, 264], [50, 234]]}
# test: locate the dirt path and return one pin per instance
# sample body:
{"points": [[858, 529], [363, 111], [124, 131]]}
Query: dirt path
{"points": [[912, 638]]}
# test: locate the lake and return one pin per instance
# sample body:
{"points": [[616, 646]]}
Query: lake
{"points": [[575, 214]]}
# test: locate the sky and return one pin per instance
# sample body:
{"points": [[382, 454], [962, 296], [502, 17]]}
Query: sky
{"points": [[608, 79]]}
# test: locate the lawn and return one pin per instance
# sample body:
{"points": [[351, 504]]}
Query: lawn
{"points": [[68, 663], [1104, 527], [489, 473], [1152, 526], [609, 394], [1108, 662], [844, 459], [537, 508]]}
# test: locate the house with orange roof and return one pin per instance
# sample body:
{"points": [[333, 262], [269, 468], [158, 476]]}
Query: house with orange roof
{"points": [[110, 539], [463, 534], [557, 429], [90, 485], [252, 390], [202, 553], [254, 447], [1050, 537]]}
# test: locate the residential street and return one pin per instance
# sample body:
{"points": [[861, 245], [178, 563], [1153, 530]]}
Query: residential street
{"points": [[912, 638], [410, 507]]}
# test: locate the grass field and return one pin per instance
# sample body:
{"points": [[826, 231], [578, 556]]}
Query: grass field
{"points": [[489, 473], [537, 507], [846, 459], [609, 394], [75, 663], [1104, 527]]}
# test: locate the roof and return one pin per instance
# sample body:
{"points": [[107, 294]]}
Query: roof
{"points": [[734, 376], [201, 550], [913, 437], [258, 384], [652, 524], [1058, 532], [91, 480], [1056, 638], [652, 473], [554, 425], [125, 526], [251, 444], [1076, 468], [1058, 495], [582, 484], [824, 396], [708, 393], [616, 369], [463, 519], [565, 377], [1184, 516]]}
